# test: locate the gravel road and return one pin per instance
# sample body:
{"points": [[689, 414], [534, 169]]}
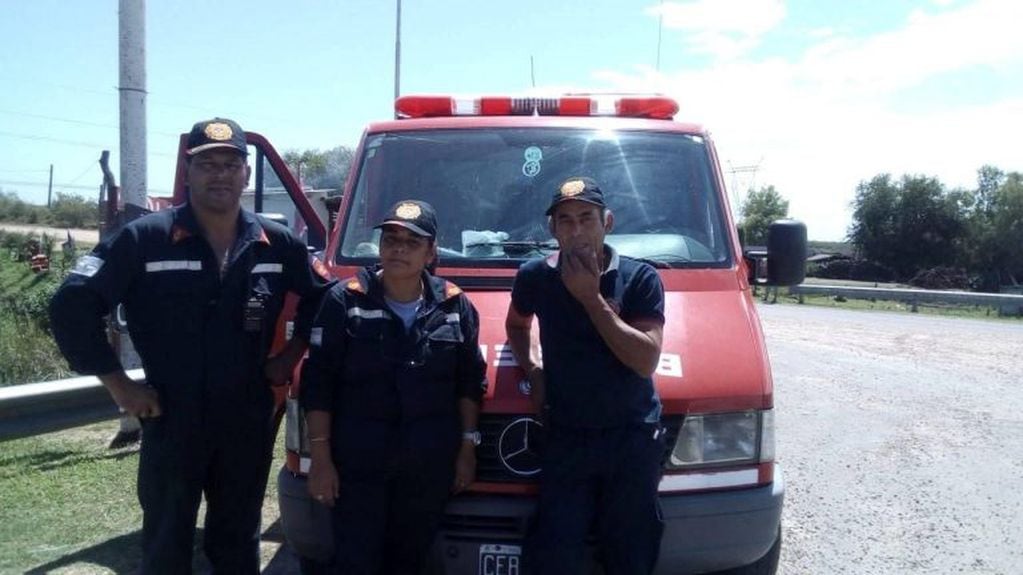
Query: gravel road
{"points": [[901, 439]]}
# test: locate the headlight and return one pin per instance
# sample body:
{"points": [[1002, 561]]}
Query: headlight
{"points": [[713, 439]]}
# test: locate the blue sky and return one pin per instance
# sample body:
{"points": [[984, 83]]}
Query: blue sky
{"points": [[816, 95]]}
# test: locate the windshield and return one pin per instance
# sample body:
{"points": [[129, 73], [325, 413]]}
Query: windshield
{"points": [[491, 187]]}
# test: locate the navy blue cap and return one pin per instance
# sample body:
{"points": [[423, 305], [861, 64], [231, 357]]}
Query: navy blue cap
{"points": [[577, 188], [414, 215], [216, 133]]}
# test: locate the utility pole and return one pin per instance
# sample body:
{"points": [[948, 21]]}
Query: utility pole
{"points": [[49, 190], [660, 26], [132, 88], [749, 176], [397, 52]]}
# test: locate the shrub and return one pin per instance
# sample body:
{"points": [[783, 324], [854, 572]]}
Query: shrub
{"points": [[941, 277]]}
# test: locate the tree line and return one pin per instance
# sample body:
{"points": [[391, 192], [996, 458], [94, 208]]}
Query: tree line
{"points": [[66, 211], [914, 229]]}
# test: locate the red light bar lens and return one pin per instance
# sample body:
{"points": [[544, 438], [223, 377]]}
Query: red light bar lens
{"points": [[575, 106], [491, 106], [423, 106], [659, 108]]}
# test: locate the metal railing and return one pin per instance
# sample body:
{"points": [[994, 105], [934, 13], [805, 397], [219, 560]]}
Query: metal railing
{"points": [[913, 297], [35, 408]]}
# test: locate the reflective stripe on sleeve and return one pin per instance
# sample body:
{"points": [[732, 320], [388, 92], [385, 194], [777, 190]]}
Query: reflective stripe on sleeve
{"points": [[174, 265], [268, 268], [367, 313]]}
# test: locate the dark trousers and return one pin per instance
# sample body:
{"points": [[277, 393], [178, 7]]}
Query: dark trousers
{"points": [[178, 465], [604, 482], [395, 479]]}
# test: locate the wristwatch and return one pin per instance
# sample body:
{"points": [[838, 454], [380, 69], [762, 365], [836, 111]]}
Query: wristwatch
{"points": [[473, 436]]}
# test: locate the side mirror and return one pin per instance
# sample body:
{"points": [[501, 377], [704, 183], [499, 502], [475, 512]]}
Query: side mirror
{"points": [[786, 253]]}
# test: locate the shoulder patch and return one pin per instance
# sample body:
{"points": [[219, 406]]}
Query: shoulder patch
{"points": [[354, 285], [87, 266]]}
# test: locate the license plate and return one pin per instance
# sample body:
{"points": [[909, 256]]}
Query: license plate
{"points": [[499, 559]]}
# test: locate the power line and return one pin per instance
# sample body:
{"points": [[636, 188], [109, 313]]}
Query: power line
{"points": [[74, 121], [51, 139], [68, 185]]}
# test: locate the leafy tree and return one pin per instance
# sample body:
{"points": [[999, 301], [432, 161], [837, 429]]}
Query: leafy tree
{"points": [[908, 225], [759, 209], [1007, 223], [989, 179], [73, 211], [321, 170]]}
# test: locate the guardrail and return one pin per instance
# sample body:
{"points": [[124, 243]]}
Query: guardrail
{"points": [[911, 296], [35, 408]]}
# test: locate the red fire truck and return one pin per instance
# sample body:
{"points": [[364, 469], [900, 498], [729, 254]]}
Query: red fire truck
{"points": [[489, 166]]}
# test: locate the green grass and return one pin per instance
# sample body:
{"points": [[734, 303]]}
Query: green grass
{"points": [[65, 492], [69, 504], [27, 350]]}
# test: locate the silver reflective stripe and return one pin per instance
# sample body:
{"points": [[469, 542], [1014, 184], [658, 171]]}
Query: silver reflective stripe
{"points": [[452, 318], [268, 268], [174, 265], [367, 313], [316, 336]]}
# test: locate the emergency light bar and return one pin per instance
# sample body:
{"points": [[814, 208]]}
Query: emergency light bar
{"points": [[654, 107]]}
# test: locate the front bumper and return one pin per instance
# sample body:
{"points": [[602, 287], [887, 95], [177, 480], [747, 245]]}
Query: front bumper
{"points": [[708, 531]]}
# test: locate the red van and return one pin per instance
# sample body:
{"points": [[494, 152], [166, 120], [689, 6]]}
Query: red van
{"points": [[489, 166]]}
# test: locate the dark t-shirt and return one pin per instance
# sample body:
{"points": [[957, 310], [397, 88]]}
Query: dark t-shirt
{"points": [[587, 386]]}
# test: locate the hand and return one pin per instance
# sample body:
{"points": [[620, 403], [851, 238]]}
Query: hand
{"points": [[322, 481], [278, 370], [136, 399], [465, 467], [580, 272], [538, 391]]}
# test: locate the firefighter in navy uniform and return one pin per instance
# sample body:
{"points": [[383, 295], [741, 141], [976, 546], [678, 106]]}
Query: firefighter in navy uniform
{"points": [[601, 319], [391, 390], [202, 287]]}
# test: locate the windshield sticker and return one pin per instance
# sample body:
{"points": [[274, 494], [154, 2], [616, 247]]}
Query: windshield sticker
{"points": [[533, 155]]}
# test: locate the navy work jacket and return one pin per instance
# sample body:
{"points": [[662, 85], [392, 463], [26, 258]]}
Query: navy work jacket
{"points": [[185, 320], [363, 365]]}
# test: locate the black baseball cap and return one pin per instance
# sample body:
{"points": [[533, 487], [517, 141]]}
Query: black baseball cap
{"points": [[577, 188], [418, 217], [216, 133]]}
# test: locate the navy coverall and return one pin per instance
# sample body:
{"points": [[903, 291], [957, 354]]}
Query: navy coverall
{"points": [[205, 361], [395, 427], [604, 447]]}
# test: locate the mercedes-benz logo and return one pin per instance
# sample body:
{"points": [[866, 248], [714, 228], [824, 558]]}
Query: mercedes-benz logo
{"points": [[517, 447]]}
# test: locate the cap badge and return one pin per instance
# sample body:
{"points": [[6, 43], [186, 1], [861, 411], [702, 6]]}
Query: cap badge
{"points": [[218, 131], [408, 211], [572, 188]]}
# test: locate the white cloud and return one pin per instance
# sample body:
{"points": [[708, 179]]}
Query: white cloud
{"points": [[725, 29], [820, 122]]}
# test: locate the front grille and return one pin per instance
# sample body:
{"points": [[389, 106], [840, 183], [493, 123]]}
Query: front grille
{"points": [[489, 467], [486, 527], [488, 461]]}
